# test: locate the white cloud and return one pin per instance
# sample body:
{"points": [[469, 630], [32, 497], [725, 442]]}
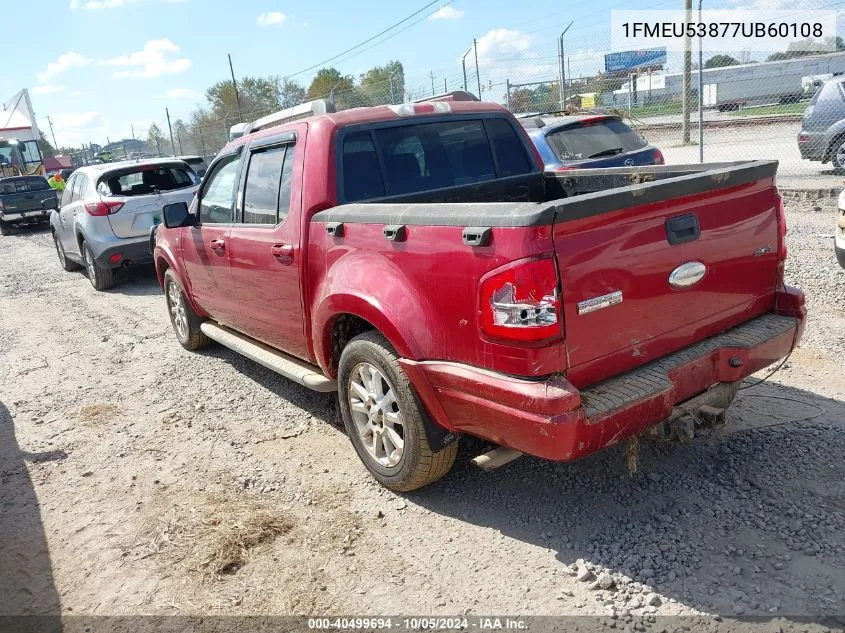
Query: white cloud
{"points": [[151, 62], [64, 62], [499, 43], [447, 13], [47, 89], [271, 18], [107, 4], [74, 128], [182, 93], [74, 4]]}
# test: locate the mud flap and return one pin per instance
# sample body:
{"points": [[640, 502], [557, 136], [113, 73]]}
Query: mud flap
{"points": [[438, 437]]}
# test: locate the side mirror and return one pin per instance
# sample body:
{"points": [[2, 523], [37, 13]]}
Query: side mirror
{"points": [[50, 203], [176, 215]]}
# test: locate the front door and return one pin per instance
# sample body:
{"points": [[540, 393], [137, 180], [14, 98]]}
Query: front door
{"points": [[205, 246], [265, 248]]}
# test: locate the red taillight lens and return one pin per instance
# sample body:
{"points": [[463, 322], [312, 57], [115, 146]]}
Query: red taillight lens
{"points": [[103, 207], [520, 303], [563, 168], [781, 215], [803, 138], [658, 157]]}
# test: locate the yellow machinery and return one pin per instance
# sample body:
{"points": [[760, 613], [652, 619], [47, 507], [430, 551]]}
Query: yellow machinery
{"points": [[20, 158]]}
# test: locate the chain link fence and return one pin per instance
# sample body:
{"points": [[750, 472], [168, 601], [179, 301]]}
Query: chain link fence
{"points": [[741, 105]]}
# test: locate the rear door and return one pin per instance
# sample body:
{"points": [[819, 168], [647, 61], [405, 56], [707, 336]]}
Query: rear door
{"points": [[143, 190], [616, 272], [265, 247], [205, 246]]}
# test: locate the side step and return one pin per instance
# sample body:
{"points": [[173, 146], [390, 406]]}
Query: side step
{"points": [[281, 363]]}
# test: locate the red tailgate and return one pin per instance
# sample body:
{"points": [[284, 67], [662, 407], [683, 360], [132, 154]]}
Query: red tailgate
{"points": [[620, 309]]}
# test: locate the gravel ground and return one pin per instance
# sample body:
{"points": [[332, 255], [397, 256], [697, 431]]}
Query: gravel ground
{"points": [[138, 478]]}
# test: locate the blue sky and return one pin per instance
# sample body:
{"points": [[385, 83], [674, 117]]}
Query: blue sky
{"points": [[110, 64]]}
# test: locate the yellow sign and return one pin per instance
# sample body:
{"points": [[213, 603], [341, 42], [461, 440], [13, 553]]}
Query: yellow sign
{"points": [[588, 100]]}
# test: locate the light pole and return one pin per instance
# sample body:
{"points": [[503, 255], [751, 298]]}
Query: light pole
{"points": [[687, 84], [464, 67], [700, 91], [562, 71]]}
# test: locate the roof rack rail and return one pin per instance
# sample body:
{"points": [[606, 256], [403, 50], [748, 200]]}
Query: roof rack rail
{"points": [[455, 95], [301, 111]]}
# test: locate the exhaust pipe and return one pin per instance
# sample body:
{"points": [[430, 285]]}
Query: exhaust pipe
{"points": [[496, 458]]}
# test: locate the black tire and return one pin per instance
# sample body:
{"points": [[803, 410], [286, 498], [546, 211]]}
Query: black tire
{"points": [[64, 262], [418, 464], [837, 158], [5, 228], [101, 278], [840, 255], [190, 336]]}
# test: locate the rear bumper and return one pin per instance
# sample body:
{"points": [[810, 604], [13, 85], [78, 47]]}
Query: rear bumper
{"points": [[554, 420], [26, 216], [135, 251], [813, 146]]}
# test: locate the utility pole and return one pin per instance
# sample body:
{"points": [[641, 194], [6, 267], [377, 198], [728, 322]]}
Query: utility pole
{"points": [[170, 127], [390, 81], [508, 93], [235, 83], [687, 83], [477, 75], [700, 92], [53, 134], [202, 141], [432, 82], [464, 67], [562, 70], [179, 140], [445, 89]]}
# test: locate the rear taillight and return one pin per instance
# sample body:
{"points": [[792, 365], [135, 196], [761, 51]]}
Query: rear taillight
{"points": [[658, 157], [564, 168], [521, 303], [781, 215], [103, 207]]}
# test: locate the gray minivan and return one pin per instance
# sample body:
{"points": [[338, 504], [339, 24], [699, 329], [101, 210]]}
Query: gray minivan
{"points": [[822, 135]]}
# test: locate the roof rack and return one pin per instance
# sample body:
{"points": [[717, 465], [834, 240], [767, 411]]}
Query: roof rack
{"points": [[301, 111], [455, 95]]}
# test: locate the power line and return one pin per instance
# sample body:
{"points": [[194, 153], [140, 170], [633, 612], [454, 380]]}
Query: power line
{"points": [[348, 50]]}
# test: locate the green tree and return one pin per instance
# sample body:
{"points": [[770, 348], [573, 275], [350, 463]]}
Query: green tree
{"points": [[258, 97], [289, 92], [719, 61], [384, 84], [328, 83], [47, 149]]}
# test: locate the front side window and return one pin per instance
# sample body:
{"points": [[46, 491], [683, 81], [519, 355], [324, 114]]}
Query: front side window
{"points": [[218, 196], [267, 192]]}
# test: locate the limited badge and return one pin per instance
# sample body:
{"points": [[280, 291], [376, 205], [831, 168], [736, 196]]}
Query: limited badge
{"points": [[597, 303]]}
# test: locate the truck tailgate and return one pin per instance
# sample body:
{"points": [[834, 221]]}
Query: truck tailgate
{"points": [[621, 302]]}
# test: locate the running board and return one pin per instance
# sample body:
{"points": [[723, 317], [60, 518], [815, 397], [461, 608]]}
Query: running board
{"points": [[279, 362]]}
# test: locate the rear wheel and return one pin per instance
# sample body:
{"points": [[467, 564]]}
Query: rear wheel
{"points": [[101, 278], [63, 260], [185, 322], [384, 418], [5, 228], [837, 157]]}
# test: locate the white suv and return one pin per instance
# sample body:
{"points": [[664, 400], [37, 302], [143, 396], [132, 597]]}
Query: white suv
{"points": [[106, 213]]}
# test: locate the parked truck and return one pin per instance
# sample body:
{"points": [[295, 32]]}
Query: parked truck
{"points": [[416, 259], [25, 200]]}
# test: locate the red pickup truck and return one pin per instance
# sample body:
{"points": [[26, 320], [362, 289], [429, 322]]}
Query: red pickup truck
{"points": [[416, 259]]}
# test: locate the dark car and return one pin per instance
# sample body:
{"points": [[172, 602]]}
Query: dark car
{"points": [[822, 135], [25, 200], [586, 141]]}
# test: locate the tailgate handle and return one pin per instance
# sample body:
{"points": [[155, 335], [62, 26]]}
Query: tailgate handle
{"points": [[335, 229], [477, 235], [682, 229]]}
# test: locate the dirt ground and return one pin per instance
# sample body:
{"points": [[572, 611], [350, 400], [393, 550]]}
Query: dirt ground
{"points": [[139, 478]]}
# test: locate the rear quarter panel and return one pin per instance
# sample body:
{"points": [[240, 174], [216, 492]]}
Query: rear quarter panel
{"points": [[422, 294]]}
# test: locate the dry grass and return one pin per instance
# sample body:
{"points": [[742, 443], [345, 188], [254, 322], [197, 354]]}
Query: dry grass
{"points": [[216, 537]]}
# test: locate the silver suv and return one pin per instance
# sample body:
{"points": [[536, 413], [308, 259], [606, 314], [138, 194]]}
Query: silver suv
{"points": [[106, 213]]}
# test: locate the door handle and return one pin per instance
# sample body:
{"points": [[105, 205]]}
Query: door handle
{"points": [[218, 245], [282, 252]]}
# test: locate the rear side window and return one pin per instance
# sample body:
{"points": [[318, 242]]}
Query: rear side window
{"points": [[406, 159], [145, 181], [606, 137], [67, 194], [37, 183], [267, 193]]}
